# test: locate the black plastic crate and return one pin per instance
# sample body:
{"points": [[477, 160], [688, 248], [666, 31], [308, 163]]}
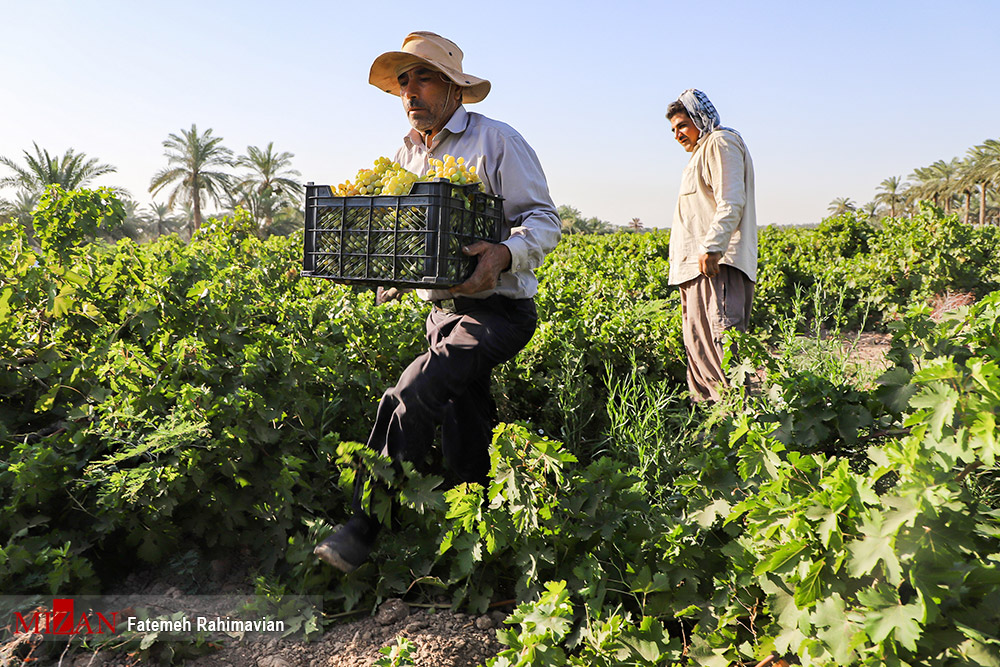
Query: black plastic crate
{"points": [[412, 240]]}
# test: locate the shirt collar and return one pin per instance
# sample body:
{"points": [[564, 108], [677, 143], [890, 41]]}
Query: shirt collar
{"points": [[457, 124]]}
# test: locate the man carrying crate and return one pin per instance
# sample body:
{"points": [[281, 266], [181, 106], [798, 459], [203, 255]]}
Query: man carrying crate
{"points": [[473, 326]]}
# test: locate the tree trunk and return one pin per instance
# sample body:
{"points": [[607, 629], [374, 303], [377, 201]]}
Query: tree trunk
{"points": [[196, 223], [968, 204], [982, 203]]}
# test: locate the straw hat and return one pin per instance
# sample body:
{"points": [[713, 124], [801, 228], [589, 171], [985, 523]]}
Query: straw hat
{"points": [[427, 48]]}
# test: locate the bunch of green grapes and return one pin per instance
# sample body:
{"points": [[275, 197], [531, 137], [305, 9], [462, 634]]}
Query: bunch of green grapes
{"points": [[387, 178], [454, 169]]}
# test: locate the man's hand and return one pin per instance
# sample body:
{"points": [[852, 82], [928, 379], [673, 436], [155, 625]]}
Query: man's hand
{"points": [[494, 259], [385, 295], [708, 264]]}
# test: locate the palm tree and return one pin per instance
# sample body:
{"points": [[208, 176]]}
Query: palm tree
{"points": [[869, 209], [265, 207], [842, 205], [22, 206], [891, 193], [19, 210], [164, 221], [573, 222], [135, 225], [939, 181], [635, 224], [570, 217], [270, 179], [965, 184], [73, 170], [192, 158], [984, 169]]}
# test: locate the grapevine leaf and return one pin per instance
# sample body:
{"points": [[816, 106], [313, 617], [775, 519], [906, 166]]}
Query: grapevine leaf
{"points": [[420, 493], [896, 390], [901, 621], [984, 433], [706, 517], [941, 401], [835, 629], [780, 557], [828, 523], [809, 589], [905, 510], [874, 547]]}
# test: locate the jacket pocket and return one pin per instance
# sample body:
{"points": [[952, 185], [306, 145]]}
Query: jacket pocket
{"points": [[689, 182]]}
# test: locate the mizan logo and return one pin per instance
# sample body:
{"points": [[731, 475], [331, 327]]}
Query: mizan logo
{"points": [[62, 620]]}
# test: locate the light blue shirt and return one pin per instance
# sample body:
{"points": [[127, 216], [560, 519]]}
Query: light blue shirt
{"points": [[508, 167]]}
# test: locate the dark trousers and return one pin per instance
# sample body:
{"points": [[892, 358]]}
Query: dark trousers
{"points": [[449, 385]]}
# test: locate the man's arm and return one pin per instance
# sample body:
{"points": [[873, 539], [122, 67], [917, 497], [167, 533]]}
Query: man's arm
{"points": [[725, 161], [535, 226]]}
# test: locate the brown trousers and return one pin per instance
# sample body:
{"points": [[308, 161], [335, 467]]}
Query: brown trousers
{"points": [[710, 306]]}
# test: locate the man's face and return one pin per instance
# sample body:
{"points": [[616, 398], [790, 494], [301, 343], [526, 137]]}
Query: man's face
{"points": [[685, 132], [428, 98]]}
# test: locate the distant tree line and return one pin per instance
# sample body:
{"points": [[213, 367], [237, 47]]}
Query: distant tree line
{"points": [[970, 184], [200, 169], [573, 222]]}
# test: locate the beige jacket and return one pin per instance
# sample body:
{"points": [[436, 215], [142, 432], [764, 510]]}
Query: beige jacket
{"points": [[715, 208]]}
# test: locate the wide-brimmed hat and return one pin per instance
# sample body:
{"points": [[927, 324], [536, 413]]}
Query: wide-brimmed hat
{"points": [[426, 48]]}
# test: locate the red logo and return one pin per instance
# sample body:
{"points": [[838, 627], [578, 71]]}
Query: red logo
{"points": [[62, 620]]}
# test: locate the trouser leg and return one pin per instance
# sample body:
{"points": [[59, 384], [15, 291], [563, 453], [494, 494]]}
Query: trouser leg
{"points": [[467, 429], [711, 306], [449, 384]]}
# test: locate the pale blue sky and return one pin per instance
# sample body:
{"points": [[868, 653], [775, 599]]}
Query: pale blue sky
{"points": [[831, 98]]}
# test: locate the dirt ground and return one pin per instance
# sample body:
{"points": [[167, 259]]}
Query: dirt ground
{"points": [[867, 348], [441, 638]]}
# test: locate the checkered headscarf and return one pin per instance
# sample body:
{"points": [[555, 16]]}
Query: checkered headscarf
{"points": [[701, 110]]}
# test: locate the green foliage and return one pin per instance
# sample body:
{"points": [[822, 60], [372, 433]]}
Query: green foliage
{"points": [[543, 515], [167, 393], [603, 302], [400, 655], [64, 219], [925, 255], [849, 570], [873, 270], [545, 626], [165, 399]]}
